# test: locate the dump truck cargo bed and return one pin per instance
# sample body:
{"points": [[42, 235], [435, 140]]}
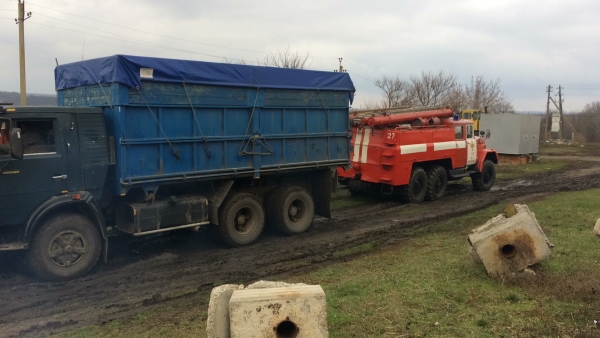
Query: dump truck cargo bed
{"points": [[174, 120]]}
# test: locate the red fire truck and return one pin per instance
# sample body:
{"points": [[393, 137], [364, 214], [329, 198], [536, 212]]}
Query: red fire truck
{"points": [[415, 152]]}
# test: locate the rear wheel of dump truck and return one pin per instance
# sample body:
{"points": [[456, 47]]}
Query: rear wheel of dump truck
{"points": [[64, 247], [437, 182], [241, 219], [484, 180], [291, 211], [416, 189]]}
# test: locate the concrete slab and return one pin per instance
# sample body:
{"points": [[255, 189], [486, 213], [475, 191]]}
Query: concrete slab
{"points": [[510, 242], [291, 312], [263, 284], [217, 323]]}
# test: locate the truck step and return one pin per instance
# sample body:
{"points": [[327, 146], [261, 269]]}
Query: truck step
{"points": [[193, 225], [12, 246]]}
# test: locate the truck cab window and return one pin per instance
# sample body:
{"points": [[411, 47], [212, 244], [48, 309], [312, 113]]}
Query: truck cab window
{"points": [[470, 131], [37, 136], [458, 131]]}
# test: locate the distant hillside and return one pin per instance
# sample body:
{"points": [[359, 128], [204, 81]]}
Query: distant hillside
{"points": [[32, 99]]}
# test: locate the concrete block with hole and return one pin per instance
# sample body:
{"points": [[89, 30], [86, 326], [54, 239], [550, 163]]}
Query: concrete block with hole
{"points": [[510, 242], [287, 312], [217, 322]]}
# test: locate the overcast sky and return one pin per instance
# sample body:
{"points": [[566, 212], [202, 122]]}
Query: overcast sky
{"points": [[527, 44]]}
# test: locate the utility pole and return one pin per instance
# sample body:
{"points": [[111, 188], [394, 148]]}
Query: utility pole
{"points": [[341, 70], [560, 110], [548, 117], [20, 22]]}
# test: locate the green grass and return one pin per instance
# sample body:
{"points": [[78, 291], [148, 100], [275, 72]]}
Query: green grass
{"points": [[516, 171], [431, 279], [350, 201], [427, 285], [566, 149]]}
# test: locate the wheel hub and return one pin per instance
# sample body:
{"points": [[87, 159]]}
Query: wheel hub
{"points": [[66, 249], [293, 211]]}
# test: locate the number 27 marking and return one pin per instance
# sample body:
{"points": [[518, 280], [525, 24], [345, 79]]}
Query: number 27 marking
{"points": [[391, 136]]}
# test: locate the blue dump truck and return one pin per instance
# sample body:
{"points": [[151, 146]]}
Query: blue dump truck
{"points": [[147, 145]]}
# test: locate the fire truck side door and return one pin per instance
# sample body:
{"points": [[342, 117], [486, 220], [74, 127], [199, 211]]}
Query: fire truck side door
{"points": [[471, 146]]}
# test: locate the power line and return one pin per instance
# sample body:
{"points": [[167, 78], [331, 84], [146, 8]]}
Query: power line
{"points": [[161, 35], [95, 29], [136, 42]]}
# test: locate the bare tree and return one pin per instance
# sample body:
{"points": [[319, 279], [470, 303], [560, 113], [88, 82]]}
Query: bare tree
{"points": [[480, 93], [442, 89], [374, 104], [586, 124], [395, 91], [432, 89], [286, 59]]}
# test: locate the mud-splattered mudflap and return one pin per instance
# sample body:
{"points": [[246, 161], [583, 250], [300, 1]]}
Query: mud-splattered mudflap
{"points": [[322, 186]]}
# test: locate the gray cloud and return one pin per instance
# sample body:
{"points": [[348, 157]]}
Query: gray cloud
{"points": [[527, 44]]}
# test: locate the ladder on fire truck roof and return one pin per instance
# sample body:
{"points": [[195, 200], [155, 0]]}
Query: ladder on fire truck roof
{"points": [[391, 111]]}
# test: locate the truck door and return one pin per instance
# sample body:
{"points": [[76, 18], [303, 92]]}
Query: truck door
{"points": [[461, 154], [41, 174], [471, 146]]}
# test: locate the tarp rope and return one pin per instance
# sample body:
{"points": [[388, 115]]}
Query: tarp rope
{"points": [[111, 107], [197, 122], [175, 152]]}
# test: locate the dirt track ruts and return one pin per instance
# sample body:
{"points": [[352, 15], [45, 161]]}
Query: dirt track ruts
{"points": [[148, 272]]}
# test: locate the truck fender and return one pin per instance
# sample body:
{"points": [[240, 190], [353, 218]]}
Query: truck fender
{"points": [[486, 154], [82, 198]]}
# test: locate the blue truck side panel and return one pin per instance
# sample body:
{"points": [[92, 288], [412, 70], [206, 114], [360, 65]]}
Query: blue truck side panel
{"points": [[226, 131]]}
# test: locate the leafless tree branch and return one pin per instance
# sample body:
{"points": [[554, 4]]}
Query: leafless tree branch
{"points": [[286, 59]]}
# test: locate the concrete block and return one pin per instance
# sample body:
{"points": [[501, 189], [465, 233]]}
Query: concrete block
{"points": [[263, 284], [288, 312], [510, 242], [217, 323], [597, 228]]}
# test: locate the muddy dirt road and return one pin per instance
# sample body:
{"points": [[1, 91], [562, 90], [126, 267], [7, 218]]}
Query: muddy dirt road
{"points": [[149, 272]]}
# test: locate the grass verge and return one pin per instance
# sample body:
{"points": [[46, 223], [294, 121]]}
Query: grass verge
{"points": [[521, 171]]}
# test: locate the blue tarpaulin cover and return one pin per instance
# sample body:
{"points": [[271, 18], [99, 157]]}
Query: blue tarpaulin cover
{"points": [[130, 70]]}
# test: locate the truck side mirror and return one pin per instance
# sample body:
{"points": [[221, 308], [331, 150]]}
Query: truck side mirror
{"points": [[16, 144], [487, 132], [481, 133]]}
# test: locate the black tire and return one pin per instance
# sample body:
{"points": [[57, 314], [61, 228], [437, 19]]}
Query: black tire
{"points": [[358, 187], [64, 247], [354, 188], [416, 189], [437, 182], [293, 210], [241, 219], [484, 180]]}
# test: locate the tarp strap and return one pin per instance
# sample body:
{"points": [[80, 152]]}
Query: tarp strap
{"points": [[240, 152], [197, 122], [111, 107], [105, 96], [175, 152]]}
